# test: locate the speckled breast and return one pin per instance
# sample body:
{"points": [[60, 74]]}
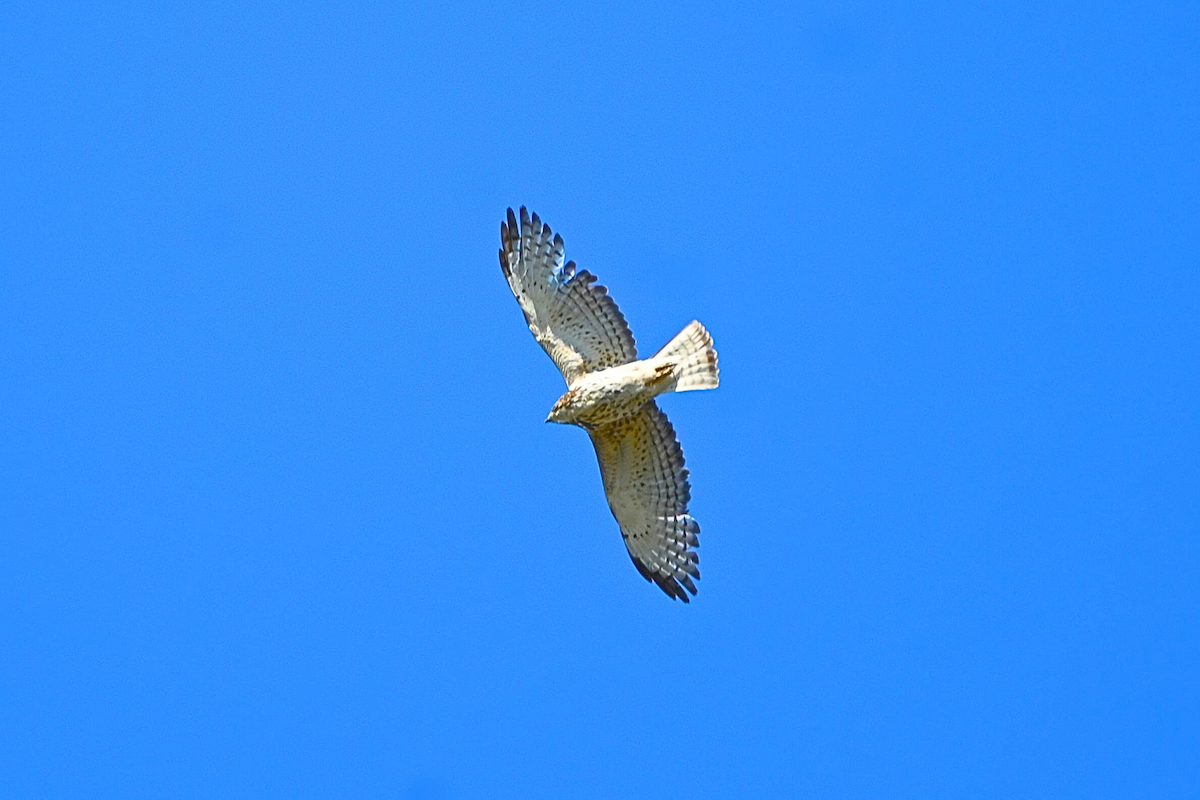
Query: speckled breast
{"points": [[608, 396]]}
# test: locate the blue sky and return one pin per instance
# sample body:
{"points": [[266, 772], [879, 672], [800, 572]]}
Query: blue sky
{"points": [[280, 514]]}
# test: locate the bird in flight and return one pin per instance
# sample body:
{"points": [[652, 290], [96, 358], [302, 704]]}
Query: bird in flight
{"points": [[610, 394]]}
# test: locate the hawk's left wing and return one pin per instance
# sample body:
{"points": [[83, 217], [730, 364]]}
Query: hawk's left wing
{"points": [[571, 316], [645, 480]]}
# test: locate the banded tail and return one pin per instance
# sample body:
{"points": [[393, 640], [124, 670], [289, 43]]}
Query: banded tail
{"points": [[695, 358]]}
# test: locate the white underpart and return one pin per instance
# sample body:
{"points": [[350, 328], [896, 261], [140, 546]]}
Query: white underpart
{"points": [[687, 363]]}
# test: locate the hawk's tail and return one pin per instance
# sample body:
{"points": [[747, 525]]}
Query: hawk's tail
{"points": [[696, 359]]}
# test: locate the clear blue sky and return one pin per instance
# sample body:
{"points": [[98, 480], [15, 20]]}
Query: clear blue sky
{"points": [[280, 515]]}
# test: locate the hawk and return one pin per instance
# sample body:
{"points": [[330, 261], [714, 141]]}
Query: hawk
{"points": [[610, 394]]}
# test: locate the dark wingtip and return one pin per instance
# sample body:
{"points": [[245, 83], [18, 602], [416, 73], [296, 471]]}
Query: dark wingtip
{"points": [[674, 588], [670, 586]]}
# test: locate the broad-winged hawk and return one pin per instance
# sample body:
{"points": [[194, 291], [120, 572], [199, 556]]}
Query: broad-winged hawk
{"points": [[610, 394]]}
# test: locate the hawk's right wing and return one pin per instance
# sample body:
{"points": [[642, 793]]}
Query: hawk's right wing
{"points": [[641, 463], [571, 316]]}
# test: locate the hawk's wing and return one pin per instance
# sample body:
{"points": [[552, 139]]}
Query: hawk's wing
{"points": [[647, 487], [570, 315]]}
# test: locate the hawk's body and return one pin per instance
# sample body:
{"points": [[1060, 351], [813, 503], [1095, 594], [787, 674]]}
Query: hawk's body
{"points": [[610, 394]]}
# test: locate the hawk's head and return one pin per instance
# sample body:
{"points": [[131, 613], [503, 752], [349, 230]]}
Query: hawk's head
{"points": [[564, 408]]}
